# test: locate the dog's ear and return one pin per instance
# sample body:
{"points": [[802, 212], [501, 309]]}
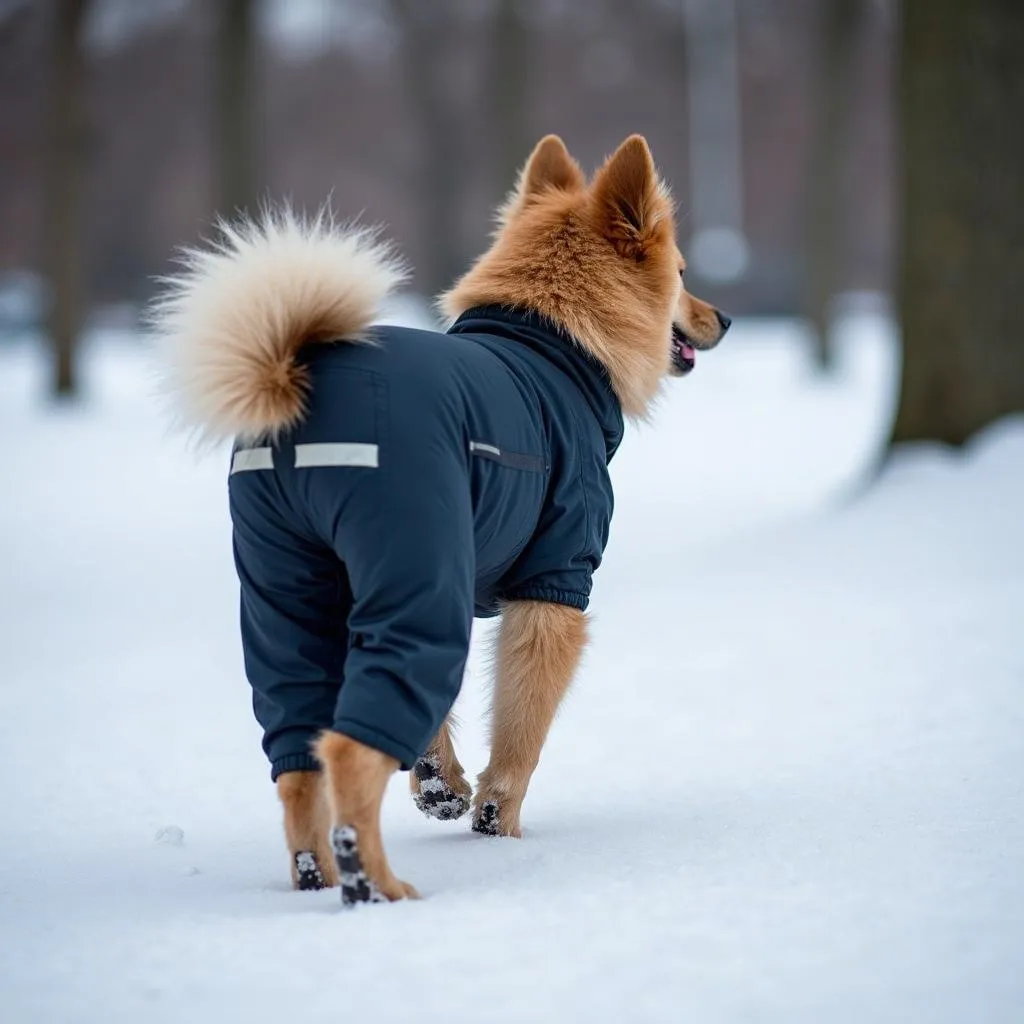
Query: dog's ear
{"points": [[550, 166], [631, 200]]}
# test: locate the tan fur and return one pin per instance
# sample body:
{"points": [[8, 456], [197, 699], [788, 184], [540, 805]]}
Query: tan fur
{"points": [[230, 324], [538, 650], [306, 821], [355, 778], [601, 261]]}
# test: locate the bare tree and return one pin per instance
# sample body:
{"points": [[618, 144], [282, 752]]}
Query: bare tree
{"points": [[63, 190], [831, 103], [234, 148], [422, 31], [509, 69], [961, 97]]}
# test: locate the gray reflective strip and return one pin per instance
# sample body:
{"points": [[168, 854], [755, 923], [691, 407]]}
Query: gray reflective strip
{"points": [[308, 455], [513, 460], [479, 446], [252, 458]]}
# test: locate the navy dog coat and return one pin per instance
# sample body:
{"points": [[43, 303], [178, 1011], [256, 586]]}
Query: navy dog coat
{"points": [[433, 477]]}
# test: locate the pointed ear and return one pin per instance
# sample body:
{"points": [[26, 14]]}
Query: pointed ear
{"points": [[550, 166], [631, 201]]}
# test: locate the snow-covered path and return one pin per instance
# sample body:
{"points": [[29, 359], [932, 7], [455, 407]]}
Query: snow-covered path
{"points": [[787, 787]]}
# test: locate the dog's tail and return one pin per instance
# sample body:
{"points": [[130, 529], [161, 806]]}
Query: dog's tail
{"points": [[231, 323]]}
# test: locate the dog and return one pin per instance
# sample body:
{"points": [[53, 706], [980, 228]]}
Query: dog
{"points": [[388, 485]]}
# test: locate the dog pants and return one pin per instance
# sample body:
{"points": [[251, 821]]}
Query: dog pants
{"points": [[354, 550]]}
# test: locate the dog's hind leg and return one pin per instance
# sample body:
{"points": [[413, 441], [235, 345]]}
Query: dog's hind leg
{"points": [[412, 614], [305, 828], [295, 603], [356, 778], [438, 781], [538, 650]]}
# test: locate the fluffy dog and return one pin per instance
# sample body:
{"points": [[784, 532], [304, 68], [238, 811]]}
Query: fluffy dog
{"points": [[388, 484]]}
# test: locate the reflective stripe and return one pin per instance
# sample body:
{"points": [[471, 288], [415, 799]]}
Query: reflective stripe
{"points": [[252, 458], [479, 446], [340, 454], [513, 460]]}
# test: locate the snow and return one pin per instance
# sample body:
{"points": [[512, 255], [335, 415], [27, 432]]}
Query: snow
{"points": [[786, 787]]}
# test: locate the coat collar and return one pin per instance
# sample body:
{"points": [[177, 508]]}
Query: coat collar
{"points": [[559, 348]]}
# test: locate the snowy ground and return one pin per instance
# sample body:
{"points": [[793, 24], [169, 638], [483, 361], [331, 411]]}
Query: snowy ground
{"points": [[787, 786]]}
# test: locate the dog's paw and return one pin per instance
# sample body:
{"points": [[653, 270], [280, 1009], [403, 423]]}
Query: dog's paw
{"points": [[356, 884], [486, 820], [436, 796], [307, 871], [494, 818]]}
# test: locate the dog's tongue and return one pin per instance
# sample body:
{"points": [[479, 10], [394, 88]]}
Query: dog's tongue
{"points": [[689, 352]]}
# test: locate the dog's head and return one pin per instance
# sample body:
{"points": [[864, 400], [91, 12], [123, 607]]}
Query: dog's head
{"points": [[601, 260]]}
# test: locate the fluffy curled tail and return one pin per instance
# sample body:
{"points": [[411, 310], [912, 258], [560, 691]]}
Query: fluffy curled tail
{"points": [[233, 320]]}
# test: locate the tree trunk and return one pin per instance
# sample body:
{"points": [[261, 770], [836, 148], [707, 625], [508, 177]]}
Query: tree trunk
{"points": [[422, 28], [64, 183], [828, 156], [962, 260], [234, 109], [509, 69]]}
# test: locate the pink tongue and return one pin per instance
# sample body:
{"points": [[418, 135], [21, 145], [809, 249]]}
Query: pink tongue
{"points": [[689, 352]]}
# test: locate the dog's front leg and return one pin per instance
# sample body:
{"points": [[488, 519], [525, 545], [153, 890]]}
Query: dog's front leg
{"points": [[538, 649], [438, 781]]}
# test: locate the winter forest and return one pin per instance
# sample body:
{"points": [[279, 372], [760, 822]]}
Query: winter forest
{"points": [[786, 782]]}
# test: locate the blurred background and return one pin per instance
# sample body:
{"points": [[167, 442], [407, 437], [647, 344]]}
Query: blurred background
{"points": [[799, 721], [127, 126]]}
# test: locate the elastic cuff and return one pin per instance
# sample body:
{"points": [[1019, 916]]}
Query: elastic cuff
{"points": [[569, 598], [293, 763], [402, 753]]}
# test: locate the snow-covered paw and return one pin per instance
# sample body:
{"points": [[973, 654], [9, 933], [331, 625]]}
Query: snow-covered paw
{"points": [[356, 884], [496, 815], [307, 871], [434, 795], [486, 820]]}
